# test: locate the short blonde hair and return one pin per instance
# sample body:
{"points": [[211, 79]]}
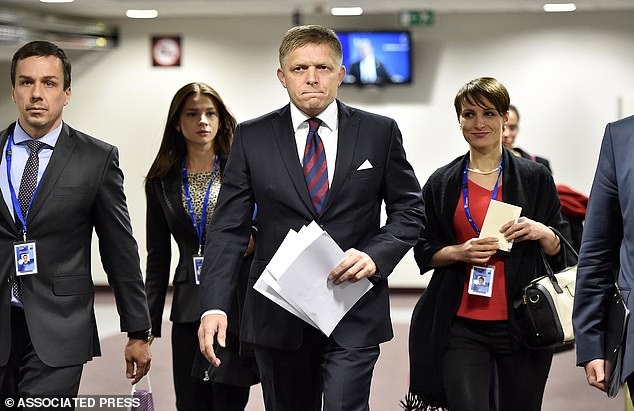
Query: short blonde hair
{"points": [[300, 36]]}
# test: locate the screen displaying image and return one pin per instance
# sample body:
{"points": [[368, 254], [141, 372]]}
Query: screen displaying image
{"points": [[376, 57]]}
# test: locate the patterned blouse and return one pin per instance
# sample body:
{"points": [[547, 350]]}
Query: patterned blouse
{"points": [[198, 183]]}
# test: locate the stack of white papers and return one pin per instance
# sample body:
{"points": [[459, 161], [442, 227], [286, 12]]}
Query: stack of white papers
{"points": [[296, 279]]}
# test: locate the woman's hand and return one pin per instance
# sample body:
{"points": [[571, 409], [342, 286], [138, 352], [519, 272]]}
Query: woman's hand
{"points": [[474, 251], [526, 229], [477, 250]]}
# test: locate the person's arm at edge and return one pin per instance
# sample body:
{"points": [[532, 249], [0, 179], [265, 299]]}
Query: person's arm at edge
{"points": [[120, 259], [598, 256]]}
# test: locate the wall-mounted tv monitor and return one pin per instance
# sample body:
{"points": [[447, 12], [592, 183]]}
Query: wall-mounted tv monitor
{"points": [[376, 57]]}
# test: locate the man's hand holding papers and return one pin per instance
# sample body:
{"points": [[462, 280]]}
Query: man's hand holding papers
{"points": [[356, 266], [298, 277]]}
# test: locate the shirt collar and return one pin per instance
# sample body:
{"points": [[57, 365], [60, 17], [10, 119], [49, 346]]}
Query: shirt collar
{"points": [[50, 139], [328, 116]]}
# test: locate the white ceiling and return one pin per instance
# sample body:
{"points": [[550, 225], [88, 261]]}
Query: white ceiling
{"points": [[191, 8]]}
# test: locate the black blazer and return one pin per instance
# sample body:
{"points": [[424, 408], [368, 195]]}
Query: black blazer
{"points": [[167, 218], [525, 184], [81, 190], [264, 168]]}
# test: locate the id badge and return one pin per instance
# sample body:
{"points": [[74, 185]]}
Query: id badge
{"points": [[481, 281], [198, 266], [25, 255]]}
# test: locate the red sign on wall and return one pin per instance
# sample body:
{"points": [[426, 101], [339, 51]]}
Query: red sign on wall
{"points": [[166, 51]]}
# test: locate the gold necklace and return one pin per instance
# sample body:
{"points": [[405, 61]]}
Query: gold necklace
{"points": [[477, 171]]}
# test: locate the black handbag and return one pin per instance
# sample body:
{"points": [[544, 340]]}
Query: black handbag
{"points": [[544, 310], [617, 317]]}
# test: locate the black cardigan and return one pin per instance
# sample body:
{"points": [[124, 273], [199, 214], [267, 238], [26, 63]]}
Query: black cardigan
{"points": [[525, 184]]}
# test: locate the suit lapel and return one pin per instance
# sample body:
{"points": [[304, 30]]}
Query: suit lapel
{"points": [[4, 211], [61, 155], [348, 133], [285, 140], [172, 196]]}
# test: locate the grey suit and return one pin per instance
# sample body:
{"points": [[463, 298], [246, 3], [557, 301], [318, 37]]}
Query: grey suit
{"points": [[607, 244], [81, 189]]}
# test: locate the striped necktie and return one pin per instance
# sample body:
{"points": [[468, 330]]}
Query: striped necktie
{"points": [[315, 167]]}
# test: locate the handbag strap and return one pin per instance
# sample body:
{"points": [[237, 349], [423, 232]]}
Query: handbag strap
{"points": [[567, 245], [549, 271]]}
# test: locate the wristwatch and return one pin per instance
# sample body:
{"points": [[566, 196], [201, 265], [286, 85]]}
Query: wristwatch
{"points": [[141, 335]]}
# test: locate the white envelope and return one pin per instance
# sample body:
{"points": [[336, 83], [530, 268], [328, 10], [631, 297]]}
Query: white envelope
{"points": [[497, 215]]}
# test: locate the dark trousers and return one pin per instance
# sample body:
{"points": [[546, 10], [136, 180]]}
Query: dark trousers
{"points": [[477, 346], [295, 380], [25, 375], [194, 393]]}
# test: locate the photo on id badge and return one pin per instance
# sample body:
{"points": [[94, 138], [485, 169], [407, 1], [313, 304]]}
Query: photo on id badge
{"points": [[481, 281], [25, 258], [198, 266]]}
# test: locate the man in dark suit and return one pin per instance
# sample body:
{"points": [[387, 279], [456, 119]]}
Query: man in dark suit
{"points": [[606, 248], [367, 70], [47, 322], [365, 161]]}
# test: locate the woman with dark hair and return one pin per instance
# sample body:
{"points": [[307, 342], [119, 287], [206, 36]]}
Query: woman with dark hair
{"points": [[458, 336], [182, 189]]}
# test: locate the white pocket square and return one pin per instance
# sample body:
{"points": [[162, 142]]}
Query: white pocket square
{"points": [[366, 165]]}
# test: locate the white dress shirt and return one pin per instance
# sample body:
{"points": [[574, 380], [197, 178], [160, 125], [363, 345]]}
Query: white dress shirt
{"points": [[328, 132]]}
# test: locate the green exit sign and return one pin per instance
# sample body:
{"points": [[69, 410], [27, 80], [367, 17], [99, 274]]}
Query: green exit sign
{"points": [[417, 18]]}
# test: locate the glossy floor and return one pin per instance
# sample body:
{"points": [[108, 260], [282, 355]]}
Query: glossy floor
{"points": [[566, 388]]}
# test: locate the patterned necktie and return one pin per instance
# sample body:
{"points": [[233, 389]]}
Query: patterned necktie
{"points": [[29, 176], [315, 167], [27, 188]]}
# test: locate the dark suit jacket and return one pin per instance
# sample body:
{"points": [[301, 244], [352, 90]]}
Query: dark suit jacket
{"points": [[264, 167], [81, 189], [540, 160], [167, 218], [382, 75], [607, 244], [525, 184]]}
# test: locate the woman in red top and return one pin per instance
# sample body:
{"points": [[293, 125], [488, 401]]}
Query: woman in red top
{"points": [[463, 326]]}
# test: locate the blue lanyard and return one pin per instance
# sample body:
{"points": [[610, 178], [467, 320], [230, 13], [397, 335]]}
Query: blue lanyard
{"points": [[465, 193], [200, 228], [14, 198]]}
